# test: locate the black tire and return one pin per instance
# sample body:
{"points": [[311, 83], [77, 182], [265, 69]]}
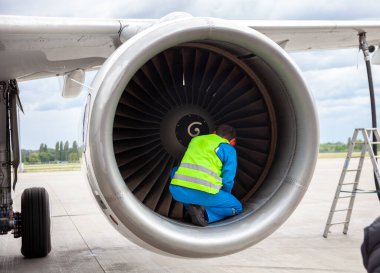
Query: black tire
{"points": [[35, 214]]}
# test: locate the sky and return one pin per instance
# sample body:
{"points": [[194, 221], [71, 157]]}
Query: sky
{"points": [[337, 78]]}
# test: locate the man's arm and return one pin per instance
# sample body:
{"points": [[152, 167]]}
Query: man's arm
{"points": [[227, 154]]}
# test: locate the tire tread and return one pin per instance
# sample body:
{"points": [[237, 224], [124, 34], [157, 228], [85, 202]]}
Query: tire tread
{"points": [[35, 213]]}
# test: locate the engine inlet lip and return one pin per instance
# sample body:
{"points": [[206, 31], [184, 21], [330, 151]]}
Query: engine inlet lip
{"points": [[139, 223]]}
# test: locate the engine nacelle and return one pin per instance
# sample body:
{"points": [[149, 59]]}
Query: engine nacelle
{"points": [[181, 78]]}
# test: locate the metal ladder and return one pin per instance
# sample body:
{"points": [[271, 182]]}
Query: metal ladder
{"points": [[367, 147]]}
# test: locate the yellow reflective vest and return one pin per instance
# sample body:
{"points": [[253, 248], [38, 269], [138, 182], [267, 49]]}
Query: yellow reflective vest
{"points": [[200, 168]]}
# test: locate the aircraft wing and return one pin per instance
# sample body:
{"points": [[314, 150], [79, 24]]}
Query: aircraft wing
{"points": [[312, 35], [37, 47]]}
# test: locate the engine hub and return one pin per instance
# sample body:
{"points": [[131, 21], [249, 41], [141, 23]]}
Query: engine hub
{"points": [[180, 124], [191, 126]]}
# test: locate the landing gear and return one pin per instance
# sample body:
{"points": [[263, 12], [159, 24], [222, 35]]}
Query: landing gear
{"points": [[33, 223], [35, 212]]}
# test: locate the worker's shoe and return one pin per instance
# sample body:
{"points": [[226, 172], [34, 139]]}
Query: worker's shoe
{"points": [[187, 217], [197, 214]]}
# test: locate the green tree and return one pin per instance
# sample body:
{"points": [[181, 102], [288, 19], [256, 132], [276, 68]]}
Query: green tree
{"points": [[75, 150], [56, 154], [80, 150], [24, 155], [61, 155], [66, 151], [73, 157], [51, 153], [34, 158], [75, 147], [44, 157], [41, 148]]}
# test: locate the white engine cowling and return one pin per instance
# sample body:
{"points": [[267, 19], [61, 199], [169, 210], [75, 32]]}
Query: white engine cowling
{"points": [[183, 77]]}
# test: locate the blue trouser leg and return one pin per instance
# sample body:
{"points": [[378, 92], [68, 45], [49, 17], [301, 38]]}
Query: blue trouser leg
{"points": [[221, 205], [218, 206]]}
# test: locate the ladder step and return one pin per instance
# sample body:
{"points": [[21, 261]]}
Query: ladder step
{"points": [[348, 196], [341, 210], [338, 223], [353, 170], [377, 142], [345, 184], [356, 156]]}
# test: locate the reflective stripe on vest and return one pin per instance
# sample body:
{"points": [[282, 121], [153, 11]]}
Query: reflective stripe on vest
{"points": [[196, 181], [201, 168]]}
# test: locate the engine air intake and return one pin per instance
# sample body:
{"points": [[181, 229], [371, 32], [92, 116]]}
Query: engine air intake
{"points": [[180, 93]]}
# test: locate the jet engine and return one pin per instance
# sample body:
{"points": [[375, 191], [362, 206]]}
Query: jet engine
{"points": [[181, 78]]}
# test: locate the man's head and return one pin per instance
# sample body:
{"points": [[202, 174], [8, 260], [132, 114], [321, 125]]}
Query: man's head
{"points": [[228, 132]]}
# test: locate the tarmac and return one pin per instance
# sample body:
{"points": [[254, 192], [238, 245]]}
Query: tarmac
{"points": [[84, 241]]}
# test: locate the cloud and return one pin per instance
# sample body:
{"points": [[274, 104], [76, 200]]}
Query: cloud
{"points": [[324, 59], [341, 82], [46, 94], [48, 117], [49, 127], [338, 81], [325, 9], [238, 9], [90, 8]]}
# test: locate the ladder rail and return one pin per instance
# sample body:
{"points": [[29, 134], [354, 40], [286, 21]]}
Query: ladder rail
{"points": [[372, 155], [341, 180], [367, 147], [355, 187]]}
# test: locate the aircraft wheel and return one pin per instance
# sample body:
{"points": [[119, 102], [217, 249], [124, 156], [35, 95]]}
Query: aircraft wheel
{"points": [[35, 213]]}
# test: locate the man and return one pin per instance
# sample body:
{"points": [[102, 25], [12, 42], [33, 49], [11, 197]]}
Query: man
{"points": [[371, 247], [205, 177]]}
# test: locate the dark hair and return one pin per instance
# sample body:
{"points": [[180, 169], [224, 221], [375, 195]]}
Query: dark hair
{"points": [[226, 131]]}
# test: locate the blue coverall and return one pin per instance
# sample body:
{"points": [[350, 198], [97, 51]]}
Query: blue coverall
{"points": [[218, 206]]}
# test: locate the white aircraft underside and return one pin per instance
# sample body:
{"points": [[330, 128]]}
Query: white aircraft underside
{"points": [[38, 47]]}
